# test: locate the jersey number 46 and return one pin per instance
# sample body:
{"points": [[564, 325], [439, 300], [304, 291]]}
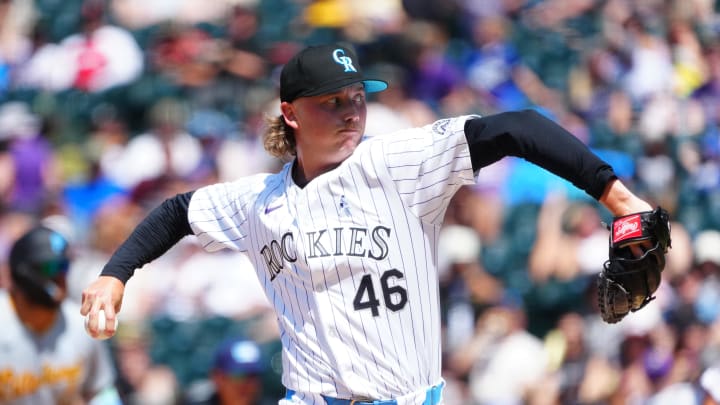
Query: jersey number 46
{"points": [[394, 296]]}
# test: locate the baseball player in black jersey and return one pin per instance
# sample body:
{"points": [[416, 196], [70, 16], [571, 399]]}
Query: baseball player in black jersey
{"points": [[344, 238]]}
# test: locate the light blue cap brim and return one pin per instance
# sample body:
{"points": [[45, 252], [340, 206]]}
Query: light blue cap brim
{"points": [[374, 86]]}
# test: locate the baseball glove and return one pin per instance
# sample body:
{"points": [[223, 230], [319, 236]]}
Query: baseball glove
{"points": [[630, 276]]}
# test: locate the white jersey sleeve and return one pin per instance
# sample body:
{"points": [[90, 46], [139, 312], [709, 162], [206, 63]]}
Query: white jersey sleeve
{"points": [[428, 165], [218, 213]]}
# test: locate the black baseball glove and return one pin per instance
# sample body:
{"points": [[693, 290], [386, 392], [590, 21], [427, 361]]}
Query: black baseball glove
{"points": [[630, 276]]}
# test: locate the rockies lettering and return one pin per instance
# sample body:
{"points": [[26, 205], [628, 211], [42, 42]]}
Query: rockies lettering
{"points": [[276, 252], [359, 242]]}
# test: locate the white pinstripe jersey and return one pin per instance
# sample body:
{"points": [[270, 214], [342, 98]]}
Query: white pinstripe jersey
{"points": [[349, 262]]}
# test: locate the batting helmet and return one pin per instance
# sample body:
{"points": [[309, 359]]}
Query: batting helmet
{"points": [[38, 261]]}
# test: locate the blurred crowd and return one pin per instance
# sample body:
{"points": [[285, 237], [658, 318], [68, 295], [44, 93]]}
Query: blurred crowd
{"points": [[109, 106]]}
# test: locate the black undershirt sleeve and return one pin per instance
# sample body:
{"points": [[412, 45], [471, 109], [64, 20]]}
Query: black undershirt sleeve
{"points": [[531, 136], [163, 227]]}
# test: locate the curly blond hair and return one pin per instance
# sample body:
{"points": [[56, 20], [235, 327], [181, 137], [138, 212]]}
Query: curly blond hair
{"points": [[279, 137]]}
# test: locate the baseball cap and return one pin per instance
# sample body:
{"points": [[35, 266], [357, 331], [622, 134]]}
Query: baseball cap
{"points": [[322, 69], [238, 357], [43, 250], [37, 259]]}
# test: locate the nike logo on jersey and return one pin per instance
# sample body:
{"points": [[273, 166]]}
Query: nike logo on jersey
{"points": [[270, 209]]}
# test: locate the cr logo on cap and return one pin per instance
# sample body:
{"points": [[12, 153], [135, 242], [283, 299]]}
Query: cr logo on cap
{"points": [[341, 59]]}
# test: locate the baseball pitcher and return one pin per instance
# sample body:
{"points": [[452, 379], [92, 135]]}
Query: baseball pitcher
{"points": [[344, 238]]}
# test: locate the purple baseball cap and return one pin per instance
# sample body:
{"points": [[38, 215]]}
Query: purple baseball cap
{"points": [[238, 357]]}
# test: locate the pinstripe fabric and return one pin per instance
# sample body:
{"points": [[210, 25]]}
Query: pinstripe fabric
{"points": [[349, 261]]}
